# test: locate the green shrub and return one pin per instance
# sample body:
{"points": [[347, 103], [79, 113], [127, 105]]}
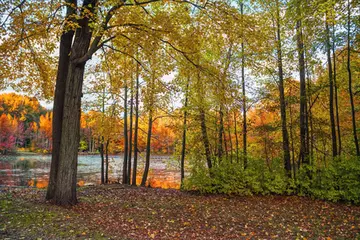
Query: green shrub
{"points": [[339, 181]]}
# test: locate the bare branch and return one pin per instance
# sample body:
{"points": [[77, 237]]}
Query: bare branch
{"points": [[12, 11]]}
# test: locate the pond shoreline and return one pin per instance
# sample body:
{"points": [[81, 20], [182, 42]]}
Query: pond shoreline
{"points": [[24, 170]]}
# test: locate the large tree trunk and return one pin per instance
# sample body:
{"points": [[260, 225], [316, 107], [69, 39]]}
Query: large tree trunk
{"points": [[136, 129], [65, 191], [350, 83], [331, 91], [303, 128], [285, 135], [62, 72], [126, 143]]}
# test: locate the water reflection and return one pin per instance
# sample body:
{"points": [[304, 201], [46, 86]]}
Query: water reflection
{"points": [[33, 170]]}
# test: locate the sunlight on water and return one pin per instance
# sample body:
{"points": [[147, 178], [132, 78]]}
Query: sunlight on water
{"points": [[33, 171]]}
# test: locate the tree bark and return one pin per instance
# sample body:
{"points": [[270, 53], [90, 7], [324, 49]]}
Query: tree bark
{"points": [[65, 191], [131, 131], [136, 129], [148, 151], [221, 133], [285, 134], [230, 139], [336, 95], [126, 146], [292, 139], [101, 150], [205, 138], [183, 146], [243, 93], [62, 72], [236, 139], [150, 92], [356, 142], [331, 91], [107, 161], [303, 128]]}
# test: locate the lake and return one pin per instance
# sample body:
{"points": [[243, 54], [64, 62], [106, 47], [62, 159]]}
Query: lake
{"points": [[33, 170]]}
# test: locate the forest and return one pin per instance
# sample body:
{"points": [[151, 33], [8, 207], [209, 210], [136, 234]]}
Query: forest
{"points": [[27, 126], [252, 98]]}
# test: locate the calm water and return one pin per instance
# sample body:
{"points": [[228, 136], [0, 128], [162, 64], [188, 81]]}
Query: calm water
{"points": [[33, 170]]}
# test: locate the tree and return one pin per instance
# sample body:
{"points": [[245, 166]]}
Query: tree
{"points": [[285, 135], [7, 134], [300, 49], [136, 127], [353, 116], [183, 145], [331, 89]]}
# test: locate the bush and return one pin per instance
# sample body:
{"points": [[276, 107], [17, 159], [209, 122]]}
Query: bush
{"points": [[231, 178], [339, 181]]}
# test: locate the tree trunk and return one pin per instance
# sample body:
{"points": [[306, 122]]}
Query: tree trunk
{"points": [[126, 146], [285, 134], [331, 91], [102, 139], [350, 84], [65, 190], [62, 72], [292, 139], [183, 146], [131, 131], [225, 145], [336, 95], [303, 128], [136, 127], [236, 139], [148, 151], [221, 133], [107, 161], [243, 93], [101, 150], [230, 139], [205, 138], [309, 120]]}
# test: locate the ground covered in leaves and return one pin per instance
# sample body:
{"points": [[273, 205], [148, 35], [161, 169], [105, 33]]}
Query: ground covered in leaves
{"points": [[118, 212]]}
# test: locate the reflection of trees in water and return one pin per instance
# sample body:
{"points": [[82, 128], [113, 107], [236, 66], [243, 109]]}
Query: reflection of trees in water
{"points": [[24, 165], [33, 170], [22, 172]]}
